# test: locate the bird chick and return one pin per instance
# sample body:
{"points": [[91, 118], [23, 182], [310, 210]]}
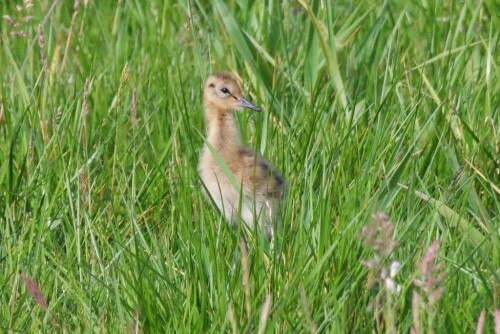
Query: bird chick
{"points": [[261, 185]]}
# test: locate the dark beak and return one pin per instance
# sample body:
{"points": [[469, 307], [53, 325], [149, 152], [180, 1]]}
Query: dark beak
{"points": [[245, 104]]}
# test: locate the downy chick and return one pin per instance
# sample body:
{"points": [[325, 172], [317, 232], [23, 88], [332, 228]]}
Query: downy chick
{"points": [[261, 185]]}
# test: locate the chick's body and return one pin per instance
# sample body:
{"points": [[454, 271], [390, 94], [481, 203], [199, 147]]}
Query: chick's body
{"points": [[261, 185]]}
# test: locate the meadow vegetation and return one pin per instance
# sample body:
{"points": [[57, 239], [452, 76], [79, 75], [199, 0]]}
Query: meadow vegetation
{"points": [[383, 117]]}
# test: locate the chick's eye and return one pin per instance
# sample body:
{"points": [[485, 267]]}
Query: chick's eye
{"points": [[224, 90]]}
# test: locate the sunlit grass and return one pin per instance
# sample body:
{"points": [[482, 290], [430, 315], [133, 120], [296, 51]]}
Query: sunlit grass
{"points": [[367, 108]]}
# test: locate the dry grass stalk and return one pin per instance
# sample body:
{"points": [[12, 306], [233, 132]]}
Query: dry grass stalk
{"points": [[133, 106], [84, 183], [232, 318], [44, 130], [480, 322], [30, 154], [497, 321], [307, 311], [76, 4], [264, 314], [246, 275], [135, 324]]}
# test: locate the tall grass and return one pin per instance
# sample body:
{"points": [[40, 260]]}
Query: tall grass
{"points": [[390, 107]]}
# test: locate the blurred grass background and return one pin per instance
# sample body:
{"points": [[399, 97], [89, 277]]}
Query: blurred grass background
{"points": [[390, 106]]}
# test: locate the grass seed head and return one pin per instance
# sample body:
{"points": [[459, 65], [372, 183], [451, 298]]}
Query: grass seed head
{"points": [[378, 235], [41, 44], [431, 274]]}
